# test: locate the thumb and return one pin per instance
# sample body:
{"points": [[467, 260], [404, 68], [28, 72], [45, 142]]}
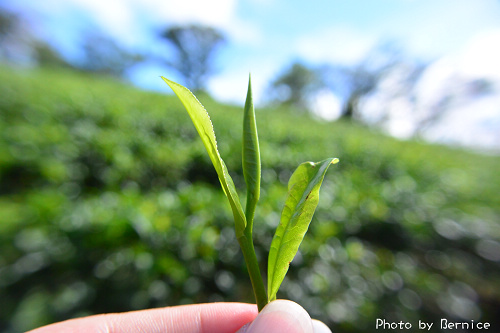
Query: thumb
{"points": [[283, 316]]}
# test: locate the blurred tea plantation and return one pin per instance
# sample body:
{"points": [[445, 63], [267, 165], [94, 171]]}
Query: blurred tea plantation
{"points": [[109, 202]]}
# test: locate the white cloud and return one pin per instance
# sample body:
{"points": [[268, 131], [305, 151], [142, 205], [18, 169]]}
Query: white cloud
{"points": [[474, 124], [465, 118], [430, 29], [326, 105], [244, 32], [215, 13], [338, 44], [266, 3], [444, 88], [426, 29], [231, 85], [126, 19], [115, 17], [479, 57]]}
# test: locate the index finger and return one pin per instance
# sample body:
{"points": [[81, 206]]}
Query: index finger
{"points": [[199, 318]]}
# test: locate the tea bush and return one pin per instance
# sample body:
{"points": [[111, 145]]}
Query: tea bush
{"points": [[108, 202]]}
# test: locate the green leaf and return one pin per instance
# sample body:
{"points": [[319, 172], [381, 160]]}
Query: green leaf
{"points": [[300, 204], [251, 157], [203, 124]]}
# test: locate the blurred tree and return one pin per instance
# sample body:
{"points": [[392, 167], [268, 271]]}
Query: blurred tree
{"points": [[45, 55], [455, 92], [355, 82], [19, 44], [295, 86], [104, 55], [10, 34], [194, 47], [360, 82], [7, 24], [394, 98]]}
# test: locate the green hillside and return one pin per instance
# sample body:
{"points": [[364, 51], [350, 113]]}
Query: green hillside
{"points": [[109, 202]]}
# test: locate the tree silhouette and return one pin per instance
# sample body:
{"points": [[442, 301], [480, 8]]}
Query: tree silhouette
{"points": [[194, 48], [103, 55], [18, 43], [356, 82], [11, 32], [295, 86]]}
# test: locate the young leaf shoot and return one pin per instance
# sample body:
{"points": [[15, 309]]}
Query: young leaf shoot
{"points": [[203, 124], [300, 204]]}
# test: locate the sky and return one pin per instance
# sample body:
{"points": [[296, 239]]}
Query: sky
{"points": [[266, 36]]}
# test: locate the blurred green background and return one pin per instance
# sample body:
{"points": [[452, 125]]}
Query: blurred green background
{"points": [[108, 202]]}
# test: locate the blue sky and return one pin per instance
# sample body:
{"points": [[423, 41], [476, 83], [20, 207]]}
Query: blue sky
{"points": [[267, 35]]}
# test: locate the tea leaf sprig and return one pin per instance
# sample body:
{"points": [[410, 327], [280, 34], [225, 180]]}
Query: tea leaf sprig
{"points": [[300, 204]]}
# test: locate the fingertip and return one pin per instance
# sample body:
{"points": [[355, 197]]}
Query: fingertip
{"points": [[281, 316], [320, 327]]}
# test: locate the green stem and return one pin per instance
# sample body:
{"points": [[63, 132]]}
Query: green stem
{"points": [[248, 250]]}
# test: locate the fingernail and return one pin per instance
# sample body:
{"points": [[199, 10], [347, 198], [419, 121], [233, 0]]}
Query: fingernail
{"points": [[282, 316]]}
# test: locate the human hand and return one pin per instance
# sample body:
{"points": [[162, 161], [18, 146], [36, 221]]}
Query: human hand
{"points": [[278, 316]]}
